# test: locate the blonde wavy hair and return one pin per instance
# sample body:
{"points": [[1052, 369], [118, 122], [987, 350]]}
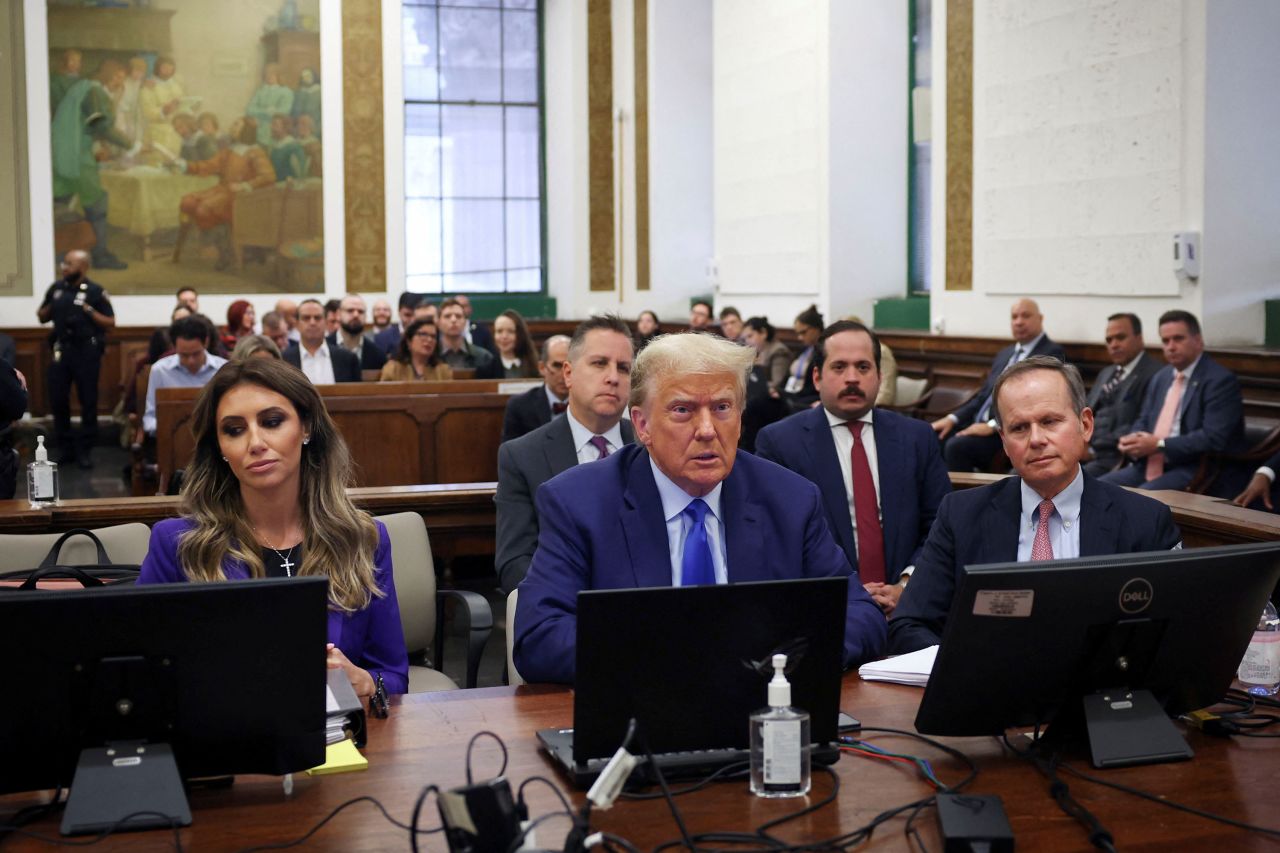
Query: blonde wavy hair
{"points": [[338, 540], [689, 353]]}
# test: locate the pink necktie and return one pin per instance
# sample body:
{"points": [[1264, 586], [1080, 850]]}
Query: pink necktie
{"points": [[1164, 423], [1041, 547]]}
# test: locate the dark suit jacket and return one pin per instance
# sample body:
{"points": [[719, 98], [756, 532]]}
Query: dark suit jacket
{"points": [[482, 337], [602, 528], [969, 410], [524, 464], [913, 478], [346, 367], [1212, 413], [526, 412], [371, 355], [977, 526], [1112, 415], [388, 340]]}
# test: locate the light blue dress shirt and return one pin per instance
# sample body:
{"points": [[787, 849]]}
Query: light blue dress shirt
{"points": [[168, 372], [674, 500], [1064, 521]]}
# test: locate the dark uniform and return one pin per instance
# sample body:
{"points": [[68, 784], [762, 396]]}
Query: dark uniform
{"points": [[78, 344]]}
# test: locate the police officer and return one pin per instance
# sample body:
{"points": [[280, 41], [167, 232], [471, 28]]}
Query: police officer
{"points": [[81, 315]]}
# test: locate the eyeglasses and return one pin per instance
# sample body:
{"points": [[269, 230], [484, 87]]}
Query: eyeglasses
{"points": [[426, 336]]}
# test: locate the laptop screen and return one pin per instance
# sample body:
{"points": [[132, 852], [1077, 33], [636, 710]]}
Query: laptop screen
{"points": [[692, 663]]}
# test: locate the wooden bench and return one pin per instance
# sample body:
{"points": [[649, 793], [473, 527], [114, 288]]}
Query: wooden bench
{"points": [[399, 433]]}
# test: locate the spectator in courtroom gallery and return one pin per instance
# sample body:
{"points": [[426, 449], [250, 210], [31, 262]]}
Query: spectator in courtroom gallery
{"points": [[976, 442], [516, 353], [598, 376], [288, 311], [537, 406], [321, 363], [265, 496], [255, 346], [1116, 396], [647, 328], [682, 507], [81, 315], [799, 391], [1192, 406], [190, 366], [700, 314], [417, 359], [389, 338], [8, 350], [275, 328], [350, 335], [13, 402], [881, 475], [381, 317], [772, 355], [1261, 493], [888, 370], [190, 297], [159, 344], [332, 316], [1051, 510], [457, 351], [241, 320], [731, 324], [426, 310], [475, 332]]}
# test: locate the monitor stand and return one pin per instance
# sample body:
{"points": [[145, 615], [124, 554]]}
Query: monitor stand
{"points": [[125, 779], [1124, 727]]}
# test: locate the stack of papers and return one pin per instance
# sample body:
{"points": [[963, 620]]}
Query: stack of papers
{"points": [[912, 668]]}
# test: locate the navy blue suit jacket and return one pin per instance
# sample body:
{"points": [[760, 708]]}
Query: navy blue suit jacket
{"points": [[969, 410], [913, 478], [601, 527], [978, 526], [1212, 413]]}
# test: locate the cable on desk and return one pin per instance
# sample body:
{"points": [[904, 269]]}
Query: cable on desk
{"points": [[417, 813], [1155, 798], [116, 827], [471, 743], [1099, 835]]}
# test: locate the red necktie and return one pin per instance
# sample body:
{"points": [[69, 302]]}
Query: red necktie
{"points": [[866, 512], [558, 408]]}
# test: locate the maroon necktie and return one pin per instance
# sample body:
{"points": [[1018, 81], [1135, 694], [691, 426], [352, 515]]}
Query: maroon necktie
{"points": [[600, 443], [866, 512], [558, 408]]}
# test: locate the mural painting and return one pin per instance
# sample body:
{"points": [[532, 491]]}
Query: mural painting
{"points": [[186, 143]]}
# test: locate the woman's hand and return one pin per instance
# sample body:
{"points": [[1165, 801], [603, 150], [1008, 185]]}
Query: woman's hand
{"points": [[361, 680]]}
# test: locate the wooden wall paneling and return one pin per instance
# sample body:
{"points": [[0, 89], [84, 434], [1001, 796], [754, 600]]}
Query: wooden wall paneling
{"points": [[600, 153]]}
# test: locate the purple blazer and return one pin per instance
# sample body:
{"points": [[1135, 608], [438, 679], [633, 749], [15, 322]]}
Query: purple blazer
{"points": [[371, 638]]}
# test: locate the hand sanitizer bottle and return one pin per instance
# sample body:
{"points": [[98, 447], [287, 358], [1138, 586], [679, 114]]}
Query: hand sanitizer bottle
{"points": [[42, 478], [780, 742], [1260, 669]]}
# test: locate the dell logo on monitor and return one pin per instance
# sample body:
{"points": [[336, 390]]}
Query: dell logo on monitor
{"points": [[1135, 596]]}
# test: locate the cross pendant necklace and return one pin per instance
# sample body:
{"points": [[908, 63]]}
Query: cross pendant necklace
{"points": [[285, 558]]}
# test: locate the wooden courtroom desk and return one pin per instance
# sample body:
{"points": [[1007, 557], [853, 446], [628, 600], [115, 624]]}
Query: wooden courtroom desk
{"points": [[424, 742]]}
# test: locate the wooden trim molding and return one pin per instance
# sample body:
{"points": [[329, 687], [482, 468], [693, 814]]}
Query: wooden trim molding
{"points": [[959, 180], [364, 205], [642, 142], [600, 144]]}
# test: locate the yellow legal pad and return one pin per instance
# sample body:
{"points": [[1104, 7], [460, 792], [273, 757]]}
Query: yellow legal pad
{"points": [[340, 757]]}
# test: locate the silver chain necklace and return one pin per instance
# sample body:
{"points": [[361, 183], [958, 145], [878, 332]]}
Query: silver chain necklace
{"points": [[284, 558]]}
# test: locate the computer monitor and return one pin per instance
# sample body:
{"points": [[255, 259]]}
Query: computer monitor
{"points": [[123, 692], [1104, 646]]}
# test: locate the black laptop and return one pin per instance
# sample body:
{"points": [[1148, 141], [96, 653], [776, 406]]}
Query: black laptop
{"points": [[691, 664]]}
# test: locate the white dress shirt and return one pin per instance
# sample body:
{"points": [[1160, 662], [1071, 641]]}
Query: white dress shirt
{"points": [[582, 446], [168, 372], [844, 452], [317, 366], [1064, 521], [674, 500]]}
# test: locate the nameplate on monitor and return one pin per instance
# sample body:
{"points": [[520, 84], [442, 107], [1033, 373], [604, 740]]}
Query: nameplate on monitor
{"points": [[1003, 602]]}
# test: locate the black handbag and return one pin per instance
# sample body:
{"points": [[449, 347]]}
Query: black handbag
{"points": [[104, 573]]}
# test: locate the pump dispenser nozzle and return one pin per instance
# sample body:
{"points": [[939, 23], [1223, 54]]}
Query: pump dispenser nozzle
{"points": [[779, 687], [42, 453]]}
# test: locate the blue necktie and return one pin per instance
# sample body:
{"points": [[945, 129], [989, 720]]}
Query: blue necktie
{"points": [[696, 566]]}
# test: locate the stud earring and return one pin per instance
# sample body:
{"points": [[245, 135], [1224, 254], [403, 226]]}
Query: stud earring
{"points": [[225, 459], [306, 439]]}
